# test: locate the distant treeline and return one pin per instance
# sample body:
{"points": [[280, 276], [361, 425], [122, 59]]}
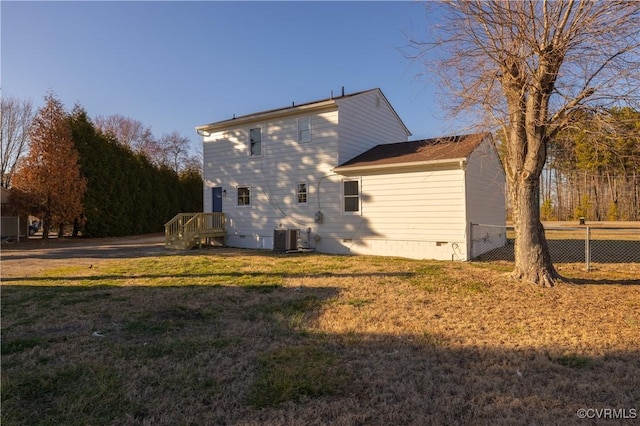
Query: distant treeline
{"points": [[593, 169]]}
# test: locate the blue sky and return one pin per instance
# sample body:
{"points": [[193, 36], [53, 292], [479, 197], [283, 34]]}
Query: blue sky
{"points": [[176, 65]]}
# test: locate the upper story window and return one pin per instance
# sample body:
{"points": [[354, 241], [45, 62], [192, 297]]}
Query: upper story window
{"points": [[351, 195], [301, 192], [244, 195], [304, 129], [255, 142]]}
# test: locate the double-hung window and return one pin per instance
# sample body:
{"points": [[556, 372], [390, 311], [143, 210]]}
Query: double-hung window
{"points": [[255, 142], [244, 195], [304, 129], [301, 192], [351, 196]]}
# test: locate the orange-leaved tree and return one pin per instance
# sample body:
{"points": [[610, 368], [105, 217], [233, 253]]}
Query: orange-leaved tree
{"points": [[48, 182]]}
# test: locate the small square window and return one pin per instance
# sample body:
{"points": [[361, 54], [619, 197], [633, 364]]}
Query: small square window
{"points": [[244, 196], [255, 141], [301, 193], [304, 129]]}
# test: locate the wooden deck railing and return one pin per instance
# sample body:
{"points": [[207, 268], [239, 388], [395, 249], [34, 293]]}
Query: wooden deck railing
{"points": [[190, 228]]}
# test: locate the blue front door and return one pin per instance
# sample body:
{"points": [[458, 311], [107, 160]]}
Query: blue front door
{"points": [[217, 200]]}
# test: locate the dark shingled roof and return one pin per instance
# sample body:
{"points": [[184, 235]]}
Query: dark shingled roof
{"points": [[302, 105], [445, 148]]}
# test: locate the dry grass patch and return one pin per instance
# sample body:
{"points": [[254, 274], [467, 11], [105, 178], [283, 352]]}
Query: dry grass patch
{"points": [[242, 337]]}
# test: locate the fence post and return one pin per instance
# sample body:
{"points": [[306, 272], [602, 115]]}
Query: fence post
{"points": [[587, 249]]}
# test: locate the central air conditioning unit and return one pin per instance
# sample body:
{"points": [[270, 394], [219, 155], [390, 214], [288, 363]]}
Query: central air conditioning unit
{"points": [[285, 239]]}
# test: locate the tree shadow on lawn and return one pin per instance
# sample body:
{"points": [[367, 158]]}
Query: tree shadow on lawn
{"points": [[598, 281], [402, 379], [83, 250], [91, 249], [253, 277], [195, 355]]}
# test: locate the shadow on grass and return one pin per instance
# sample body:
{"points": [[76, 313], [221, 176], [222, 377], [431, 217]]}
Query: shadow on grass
{"points": [[103, 354], [252, 276], [425, 380], [112, 250], [80, 250], [595, 281], [225, 355]]}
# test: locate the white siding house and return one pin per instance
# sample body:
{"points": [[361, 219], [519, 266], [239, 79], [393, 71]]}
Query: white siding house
{"points": [[419, 198], [334, 171]]}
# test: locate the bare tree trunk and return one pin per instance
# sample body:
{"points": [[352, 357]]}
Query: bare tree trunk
{"points": [[76, 228], [595, 182], [532, 259], [46, 225], [530, 66], [560, 209], [636, 197], [564, 188]]}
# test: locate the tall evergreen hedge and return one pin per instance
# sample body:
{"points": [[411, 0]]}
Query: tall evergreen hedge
{"points": [[126, 194]]}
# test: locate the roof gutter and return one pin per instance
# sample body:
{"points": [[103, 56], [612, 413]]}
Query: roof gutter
{"points": [[461, 162], [207, 129]]}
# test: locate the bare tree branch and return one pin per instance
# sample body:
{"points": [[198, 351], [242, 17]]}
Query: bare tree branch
{"points": [[527, 65], [16, 118], [127, 131]]}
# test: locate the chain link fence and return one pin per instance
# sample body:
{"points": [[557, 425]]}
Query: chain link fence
{"points": [[588, 244]]}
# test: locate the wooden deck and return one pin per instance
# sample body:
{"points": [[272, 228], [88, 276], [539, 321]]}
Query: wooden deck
{"points": [[187, 230]]}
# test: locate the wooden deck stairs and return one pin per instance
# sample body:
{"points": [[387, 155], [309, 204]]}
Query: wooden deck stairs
{"points": [[187, 230]]}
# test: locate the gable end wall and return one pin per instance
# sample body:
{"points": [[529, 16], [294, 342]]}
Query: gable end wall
{"points": [[485, 199], [366, 120]]}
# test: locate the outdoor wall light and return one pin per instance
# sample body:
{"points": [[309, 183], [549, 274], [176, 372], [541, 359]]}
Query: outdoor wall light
{"points": [[224, 192]]}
